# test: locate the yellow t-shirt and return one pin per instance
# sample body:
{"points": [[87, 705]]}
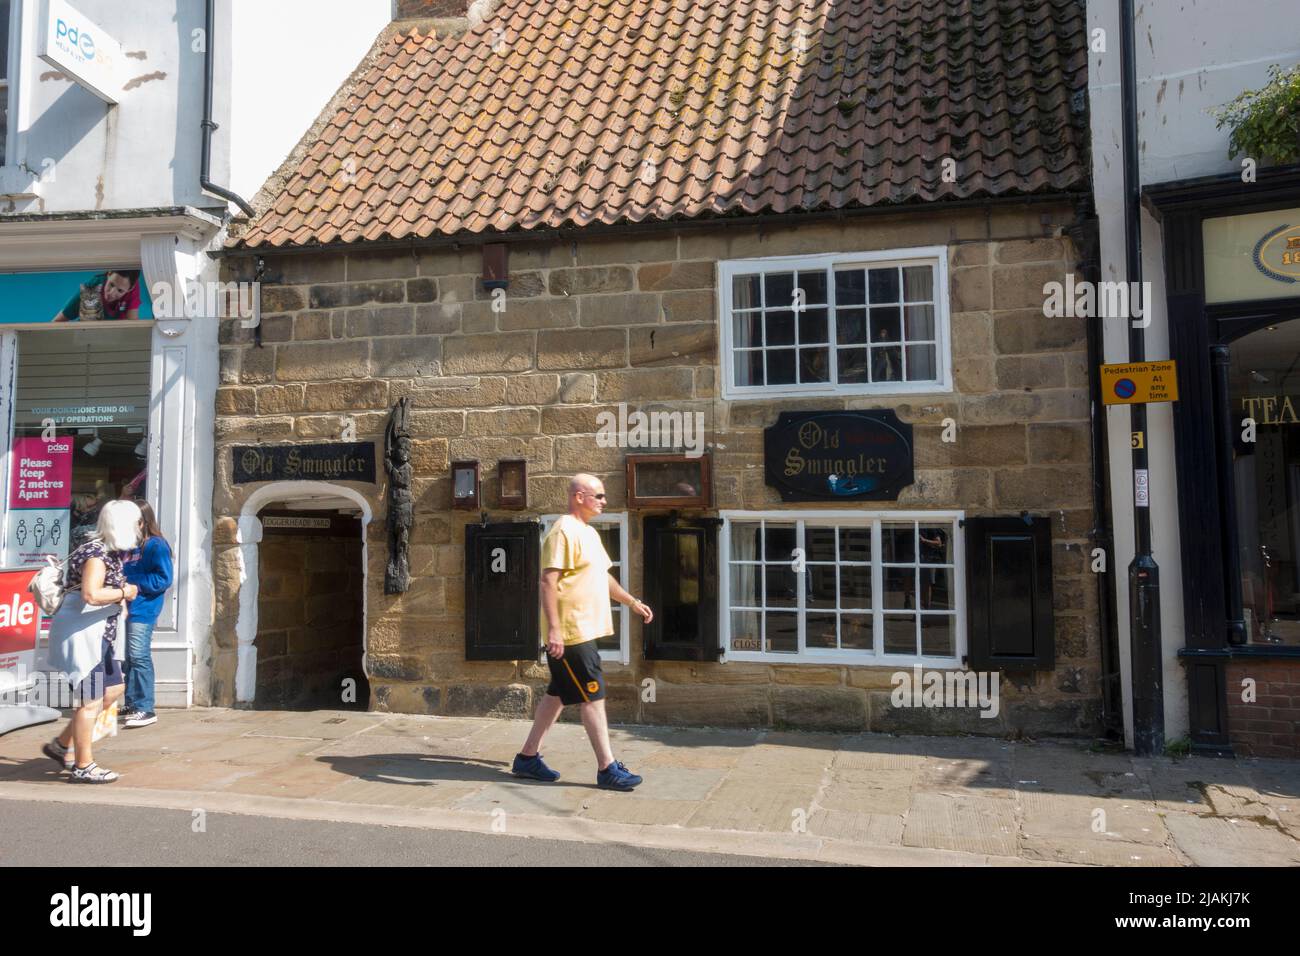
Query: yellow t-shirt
{"points": [[576, 549]]}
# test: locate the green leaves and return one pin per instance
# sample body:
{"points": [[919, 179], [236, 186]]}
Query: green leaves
{"points": [[1266, 122]]}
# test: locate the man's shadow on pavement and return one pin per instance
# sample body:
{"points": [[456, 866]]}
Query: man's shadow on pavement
{"points": [[420, 769], [417, 769]]}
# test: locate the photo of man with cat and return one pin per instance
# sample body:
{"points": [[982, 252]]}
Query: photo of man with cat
{"points": [[109, 295]]}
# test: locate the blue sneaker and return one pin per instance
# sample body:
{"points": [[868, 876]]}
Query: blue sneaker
{"points": [[617, 777], [534, 768]]}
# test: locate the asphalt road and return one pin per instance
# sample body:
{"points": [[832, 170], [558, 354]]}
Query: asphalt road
{"points": [[54, 834]]}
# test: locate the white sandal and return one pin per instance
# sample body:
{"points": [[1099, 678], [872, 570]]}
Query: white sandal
{"points": [[93, 774]]}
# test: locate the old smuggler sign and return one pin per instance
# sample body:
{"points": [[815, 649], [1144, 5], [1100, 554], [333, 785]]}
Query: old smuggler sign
{"points": [[335, 461], [838, 456]]}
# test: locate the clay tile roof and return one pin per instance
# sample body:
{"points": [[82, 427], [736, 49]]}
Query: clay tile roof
{"points": [[562, 113]]}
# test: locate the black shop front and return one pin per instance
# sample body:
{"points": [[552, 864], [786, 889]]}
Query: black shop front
{"points": [[1232, 274]]}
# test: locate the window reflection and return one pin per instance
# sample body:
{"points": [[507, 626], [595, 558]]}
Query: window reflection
{"points": [[1264, 388]]}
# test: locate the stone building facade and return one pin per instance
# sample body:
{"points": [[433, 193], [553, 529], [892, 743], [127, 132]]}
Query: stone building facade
{"points": [[633, 317]]}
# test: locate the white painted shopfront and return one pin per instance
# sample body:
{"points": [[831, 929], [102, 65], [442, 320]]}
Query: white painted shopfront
{"points": [[129, 402]]}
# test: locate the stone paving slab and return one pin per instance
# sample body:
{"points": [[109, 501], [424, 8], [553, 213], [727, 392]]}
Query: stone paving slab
{"points": [[857, 826], [971, 824], [1097, 852], [617, 808], [848, 798], [1212, 841], [1071, 817]]}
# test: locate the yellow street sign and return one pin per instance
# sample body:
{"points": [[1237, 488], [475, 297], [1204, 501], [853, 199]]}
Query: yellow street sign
{"points": [[1139, 382]]}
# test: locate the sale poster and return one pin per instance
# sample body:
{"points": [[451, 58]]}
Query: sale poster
{"points": [[19, 623], [40, 499]]}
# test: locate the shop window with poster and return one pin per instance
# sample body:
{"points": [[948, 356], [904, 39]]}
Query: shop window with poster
{"points": [[80, 403]]}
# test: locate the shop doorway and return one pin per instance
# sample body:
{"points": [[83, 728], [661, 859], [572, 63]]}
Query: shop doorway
{"points": [[302, 608], [1263, 393]]}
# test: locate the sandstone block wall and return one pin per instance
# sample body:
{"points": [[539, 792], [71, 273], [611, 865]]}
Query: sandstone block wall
{"points": [[633, 319]]}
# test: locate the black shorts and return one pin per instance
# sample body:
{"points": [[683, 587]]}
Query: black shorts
{"points": [[576, 678]]}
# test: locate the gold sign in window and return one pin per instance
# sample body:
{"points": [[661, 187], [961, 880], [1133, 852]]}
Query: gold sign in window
{"points": [[1256, 256]]}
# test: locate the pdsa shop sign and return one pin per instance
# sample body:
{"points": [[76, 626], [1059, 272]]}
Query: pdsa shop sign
{"points": [[72, 43]]}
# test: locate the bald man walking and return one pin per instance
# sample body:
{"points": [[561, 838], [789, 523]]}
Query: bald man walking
{"points": [[576, 590]]}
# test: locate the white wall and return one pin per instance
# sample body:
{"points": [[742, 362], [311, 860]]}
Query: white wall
{"points": [[277, 63], [1190, 56], [142, 152], [289, 58]]}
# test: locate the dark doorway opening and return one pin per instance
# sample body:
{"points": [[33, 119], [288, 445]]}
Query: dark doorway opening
{"points": [[310, 612]]}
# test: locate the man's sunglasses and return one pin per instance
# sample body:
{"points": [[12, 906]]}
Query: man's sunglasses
{"points": [[600, 496]]}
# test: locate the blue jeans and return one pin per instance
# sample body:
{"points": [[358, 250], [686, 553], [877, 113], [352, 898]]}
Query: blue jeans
{"points": [[139, 665]]}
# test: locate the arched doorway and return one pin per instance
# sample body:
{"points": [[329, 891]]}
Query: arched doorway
{"points": [[301, 624]]}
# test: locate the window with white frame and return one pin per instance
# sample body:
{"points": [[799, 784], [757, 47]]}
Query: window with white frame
{"points": [[613, 534], [860, 324], [6, 18], [843, 586]]}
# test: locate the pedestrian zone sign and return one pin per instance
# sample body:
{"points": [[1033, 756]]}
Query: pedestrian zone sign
{"points": [[1139, 382]]}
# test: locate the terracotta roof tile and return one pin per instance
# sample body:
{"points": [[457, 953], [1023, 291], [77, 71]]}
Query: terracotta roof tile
{"points": [[568, 112]]}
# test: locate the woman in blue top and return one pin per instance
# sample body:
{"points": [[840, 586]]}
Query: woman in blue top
{"points": [[150, 569]]}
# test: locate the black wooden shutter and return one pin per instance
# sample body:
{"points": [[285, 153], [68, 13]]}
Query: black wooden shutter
{"points": [[502, 591], [680, 577], [1009, 593]]}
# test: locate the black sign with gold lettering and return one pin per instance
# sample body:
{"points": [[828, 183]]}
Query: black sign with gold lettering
{"points": [[336, 461], [838, 456]]}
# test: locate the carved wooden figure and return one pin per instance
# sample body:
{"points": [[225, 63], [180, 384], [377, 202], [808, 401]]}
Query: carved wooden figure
{"points": [[401, 514]]}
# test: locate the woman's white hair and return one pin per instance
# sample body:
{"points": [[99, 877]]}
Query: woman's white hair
{"points": [[119, 526]]}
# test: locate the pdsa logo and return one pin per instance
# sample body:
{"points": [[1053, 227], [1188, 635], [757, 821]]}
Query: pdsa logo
{"points": [[74, 40]]}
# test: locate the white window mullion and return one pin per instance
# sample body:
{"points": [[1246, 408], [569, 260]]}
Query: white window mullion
{"points": [[877, 591], [916, 580], [832, 343], [839, 593], [801, 592]]}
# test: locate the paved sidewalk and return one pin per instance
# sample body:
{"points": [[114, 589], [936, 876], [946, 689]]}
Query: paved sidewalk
{"points": [[858, 798]]}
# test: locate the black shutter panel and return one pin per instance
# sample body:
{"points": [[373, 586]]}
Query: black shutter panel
{"points": [[502, 598], [1009, 593], [680, 577]]}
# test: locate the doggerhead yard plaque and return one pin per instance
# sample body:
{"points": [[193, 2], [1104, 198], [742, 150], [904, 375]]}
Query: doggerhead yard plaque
{"points": [[838, 456], [334, 461]]}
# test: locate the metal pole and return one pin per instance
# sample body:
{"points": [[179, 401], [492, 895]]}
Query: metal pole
{"points": [[1143, 573]]}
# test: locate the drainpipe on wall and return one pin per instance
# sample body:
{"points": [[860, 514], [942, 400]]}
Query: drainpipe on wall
{"points": [[210, 127], [1084, 233], [1146, 660]]}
